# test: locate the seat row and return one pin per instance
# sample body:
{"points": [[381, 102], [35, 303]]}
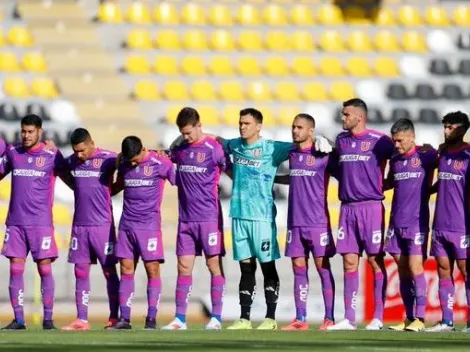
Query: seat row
{"points": [[424, 91], [11, 112], [31, 61], [18, 87], [442, 67]]}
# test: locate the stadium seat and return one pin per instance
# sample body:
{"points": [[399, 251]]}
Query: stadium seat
{"points": [[192, 14], [463, 41], [286, 92], [286, 114], [414, 67], [386, 41], [331, 41], [38, 109], [440, 67], [109, 12], [397, 91], [436, 16], [330, 15], [303, 66], [258, 91], [172, 113], [440, 41], [221, 66], [3, 212], [277, 41], [461, 16], [44, 88], [400, 113], [331, 66], [356, 15], [409, 16], [8, 112], [231, 91], [2, 39], [374, 116], [274, 15], [276, 66], [9, 62], [386, 67], [175, 90], [61, 214], [222, 40], [425, 91], [146, 90], [165, 65], [341, 91], [230, 115], [193, 66], [209, 115], [452, 92], [5, 190], [138, 13], [248, 66], [414, 42], [139, 39], [428, 116], [16, 87], [358, 67], [301, 15], [248, 15], [168, 40], [165, 13], [268, 116], [195, 40], [302, 41], [359, 41], [250, 41], [20, 36], [219, 15], [383, 16], [464, 67], [314, 91], [34, 62], [137, 64], [203, 91]]}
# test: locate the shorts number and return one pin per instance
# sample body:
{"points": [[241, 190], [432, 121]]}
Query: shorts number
{"points": [[324, 239], [265, 245], [376, 237], [74, 244], [419, 239], [46, 243], [108, 248], [212, 240], [341, 233], [464, 241], [152, 245], [289, 236]]}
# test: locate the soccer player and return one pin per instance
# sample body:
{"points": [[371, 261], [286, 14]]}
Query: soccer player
{"points": [[93, 233], [33, 167], [411, 174], [199, 162], [363, 155], [450, 239], [308, 220], [141, 174]]}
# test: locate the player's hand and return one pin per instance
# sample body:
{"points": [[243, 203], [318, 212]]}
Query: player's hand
{"points": [[426, 148], [323, 145], [50, 144], [162, 153]]}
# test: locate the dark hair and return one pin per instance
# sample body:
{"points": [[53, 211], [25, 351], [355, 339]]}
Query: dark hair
{"points": [[457, 118], [80, 135], [257, 115], [402, 125], [307, 117], [357, 103], [130, 147], [187, 116], [31, 120]]}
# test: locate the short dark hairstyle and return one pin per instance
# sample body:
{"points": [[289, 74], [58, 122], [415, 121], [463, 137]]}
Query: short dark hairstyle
{"points": [[257, 115], [402, 125], [130, 147], [457, 118], [357, 103], [80, 135], [31, 120], [187, 116], [307, 117]]}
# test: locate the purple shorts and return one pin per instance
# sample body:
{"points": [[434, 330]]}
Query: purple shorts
{"points": [[361, 227], [92, 243], [20, 240], [147, 244], [449, 244], [300, 241], [195, 237], [407, 241]]}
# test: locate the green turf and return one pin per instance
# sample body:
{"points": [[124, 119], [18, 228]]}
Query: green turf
{"points": [[198, 340]]}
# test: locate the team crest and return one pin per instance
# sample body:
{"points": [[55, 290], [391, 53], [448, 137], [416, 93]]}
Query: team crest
{"points": [[257, 152], [310, 160], [415, 162], [97, 162], [201, 157], [365, 146], [148, 170], [40, 161], [458, 164]]}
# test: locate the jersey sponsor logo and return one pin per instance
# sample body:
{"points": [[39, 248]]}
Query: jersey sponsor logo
{"points": [[247, 162], [97, 162], [40, 161], [137, 183], [148, 170], [310, 160], [406, 175], [365, 146], [458, 164], [300, 172], [30, 160], [257, 152], [85, 173], [353, 157], [415, 162], [192, 169], [200, 157], [28, 173], [449, 176]]}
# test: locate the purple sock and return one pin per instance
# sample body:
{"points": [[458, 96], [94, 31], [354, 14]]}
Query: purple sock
{"points": [[328, 290], [217, 294], [301, 286], [154, 292], [351, 286], [82, 290], [408, 296], [112, 287], [380, 287], [47, 289], [446, 298], [16, 289], [183, 292], [126, 293], [420, 292], [467, 291]]}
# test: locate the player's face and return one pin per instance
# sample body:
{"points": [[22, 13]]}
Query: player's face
{"points": [[84, 150], [351, 116], [248, 127], [301, 130], [191, 133], [30, 135], [404, 141], [453, 132]]}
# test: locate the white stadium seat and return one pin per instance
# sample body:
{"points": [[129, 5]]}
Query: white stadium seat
{"points": [[371, 91], [439, 41], [414, 67]]}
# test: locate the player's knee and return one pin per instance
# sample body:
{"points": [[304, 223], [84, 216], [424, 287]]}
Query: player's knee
{"points": [[44, 269], [376, 263], [247, 269], [213, 264], [82, 271], [184, 268], [349, 264], [299, 262], [109, 271], [17, 269]]}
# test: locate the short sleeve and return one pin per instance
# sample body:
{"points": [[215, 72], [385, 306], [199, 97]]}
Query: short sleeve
{"points": [[60, 164], [220, 157], [332, 165], [281, 152], [170, 174], [384, 149], [229, 144], [5, 166]]}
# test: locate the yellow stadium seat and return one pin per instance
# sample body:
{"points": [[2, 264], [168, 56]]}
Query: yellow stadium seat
{"points": [[268, 116], [276, 66], [222, 40], [314, 91], [44, 88], [274, 15], [358, 67], [195, 40], [3, 213], [258, 91], [248, 66], [165, 65], [359, 41], [172, 113], [139, 39], [34, 62], [20, 36], [248, 15], [146, 90], [303, 66], [209, 115], [386, 67], [137, 64], [461, 16], [192, 14], [341, 91], [331, 41], [5, 190], [168, 40], [414, 42], [330, 15], [383, 16], [193, 65], [409, 16], [277, 41], [165, 13], [301, 15], [221, 66], [286, 91], [109, 12], [250, 41], [138, 13], [15, 87], [302, 41], [386, 41], [286, 114], [231, 91], [9, 62], [436, 16], [331, 66], [219, 15], [231, 115], [2, 39], [203, 91], [61, 214], [175, 90]]}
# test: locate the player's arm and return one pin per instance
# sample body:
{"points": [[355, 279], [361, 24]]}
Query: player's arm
{"points": [[282, 179], [62, 170], [170, 171], [5, 165], [118, 185], [388, 181]]}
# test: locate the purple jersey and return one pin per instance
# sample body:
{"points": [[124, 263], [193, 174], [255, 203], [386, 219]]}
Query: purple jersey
{"points": [[143, 191], [412, 175], [452, 179], [92, 187], [362, 160], [33, 174], [309, 172], [198, 167], [3, 147]]}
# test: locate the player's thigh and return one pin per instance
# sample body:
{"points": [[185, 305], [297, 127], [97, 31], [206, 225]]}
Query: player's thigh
{"points": [[320, 241], [241, 239], [264, 241], [125, 245], [211, 239], [370, 225], [79, 248], [150, 245], [347, 238], [459, 244], [295, 247], [187, 238], [15, 244], [42, 242], [102, 241], [392, 244]]}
